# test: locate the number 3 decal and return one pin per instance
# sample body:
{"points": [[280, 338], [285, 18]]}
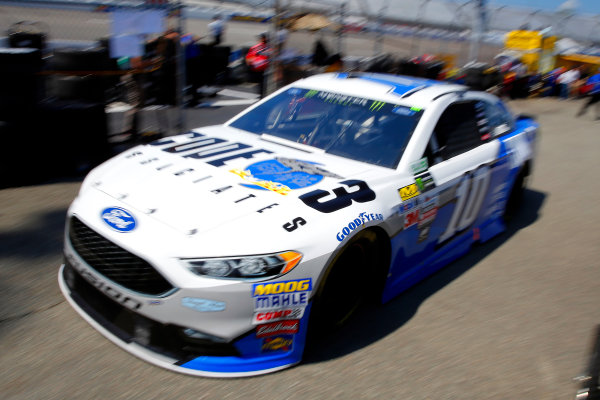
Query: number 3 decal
{"points": [[469, 198], [342, 199]]}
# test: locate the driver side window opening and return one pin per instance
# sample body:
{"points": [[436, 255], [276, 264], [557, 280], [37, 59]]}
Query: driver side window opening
{"points": [[458, 130]]}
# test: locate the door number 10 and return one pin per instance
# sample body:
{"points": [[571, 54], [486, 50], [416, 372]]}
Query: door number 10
{"points": [[469, 198]]}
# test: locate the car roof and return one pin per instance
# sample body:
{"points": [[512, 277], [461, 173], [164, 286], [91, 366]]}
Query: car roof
{"points": [[397, 89]]}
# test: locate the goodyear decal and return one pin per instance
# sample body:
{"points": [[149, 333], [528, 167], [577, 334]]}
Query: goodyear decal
{"points": [[362, 219], [278, 343], [408, 192]]}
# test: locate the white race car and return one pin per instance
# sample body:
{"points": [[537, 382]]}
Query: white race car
{"points": [[213, 252]]}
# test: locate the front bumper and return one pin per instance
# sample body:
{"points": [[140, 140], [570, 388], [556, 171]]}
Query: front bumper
{"points": [[166, 346]]}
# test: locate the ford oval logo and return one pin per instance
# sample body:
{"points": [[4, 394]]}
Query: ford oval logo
{"points": [[119, 219]]}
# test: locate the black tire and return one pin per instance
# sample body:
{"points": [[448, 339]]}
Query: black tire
{"points": [[515, 199], [352, 279]]}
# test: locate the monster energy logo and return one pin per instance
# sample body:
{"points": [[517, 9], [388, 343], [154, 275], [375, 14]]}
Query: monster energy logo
{"points": [[311, 93], [376, 106]]}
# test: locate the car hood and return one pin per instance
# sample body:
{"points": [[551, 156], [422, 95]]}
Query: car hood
{"points": [[195, 183]]}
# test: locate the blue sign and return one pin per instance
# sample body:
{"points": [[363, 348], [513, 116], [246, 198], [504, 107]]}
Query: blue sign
{"points": [[203, 305], [119, 219]]}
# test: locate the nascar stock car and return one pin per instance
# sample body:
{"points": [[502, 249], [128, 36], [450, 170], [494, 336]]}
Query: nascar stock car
{"points": [[212, 252]]}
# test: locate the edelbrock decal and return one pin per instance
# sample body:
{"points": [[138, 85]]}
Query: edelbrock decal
{"points": [[289, 327], [118, 219]]}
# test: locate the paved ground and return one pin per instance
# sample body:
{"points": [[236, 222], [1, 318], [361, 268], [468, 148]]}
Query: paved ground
{"points": [[512, 320]]}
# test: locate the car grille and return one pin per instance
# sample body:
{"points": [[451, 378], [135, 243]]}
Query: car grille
{"points": [[115, 263], [165, 339]]}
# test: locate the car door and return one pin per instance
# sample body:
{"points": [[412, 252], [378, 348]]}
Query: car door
{"points": [[453, 181]]}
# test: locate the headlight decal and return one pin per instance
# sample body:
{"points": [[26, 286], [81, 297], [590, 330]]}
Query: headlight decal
{"points": [[250, 267]]}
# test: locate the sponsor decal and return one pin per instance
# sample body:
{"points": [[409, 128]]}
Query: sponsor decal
{"points": [[408, 192], [376, 105], [118, 219], [108, 290], [425, 182], [277, 301], [282, 175], [277, 328], [264, 289], [199, 146], [337, 98], [419, 166], [405, 111], [428, 210], [203, 305], [362, 219], [280, 300], [262, 317], [411, 218], [278, 343], [424, 233]]}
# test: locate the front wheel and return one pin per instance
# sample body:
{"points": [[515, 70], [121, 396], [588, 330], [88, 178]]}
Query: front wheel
{"points": [[348, 283]]}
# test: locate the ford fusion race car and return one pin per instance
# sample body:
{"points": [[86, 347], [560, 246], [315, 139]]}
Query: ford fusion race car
{"points": [[213, 252]]}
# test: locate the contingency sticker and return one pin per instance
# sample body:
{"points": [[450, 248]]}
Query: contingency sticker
{"points": [[408, 192], [276, 301]]}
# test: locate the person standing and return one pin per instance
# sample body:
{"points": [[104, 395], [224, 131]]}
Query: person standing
{"points": [[593, 95], [257, 60], [216, 30], [565, 82]]}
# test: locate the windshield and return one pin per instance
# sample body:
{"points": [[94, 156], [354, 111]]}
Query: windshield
{"points": [[353, 127]]}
